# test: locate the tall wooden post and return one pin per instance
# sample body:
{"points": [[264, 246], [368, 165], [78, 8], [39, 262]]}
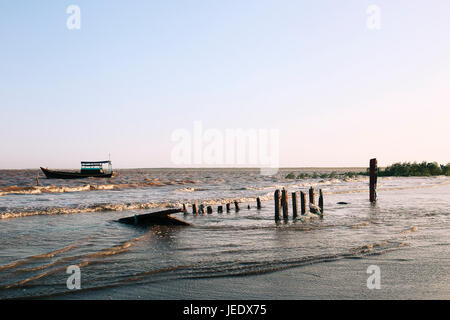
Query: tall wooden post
{"points": [[285, 204], [321, 201], [277, 204], [312, 197], [194, 208], [373, 180], [258, 203], [228, 207], [294, 205], [303, 202]]}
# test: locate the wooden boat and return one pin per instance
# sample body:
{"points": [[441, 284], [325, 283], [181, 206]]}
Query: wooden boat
{"points": [[96, 169]]}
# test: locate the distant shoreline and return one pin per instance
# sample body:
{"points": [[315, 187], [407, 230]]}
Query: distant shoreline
{"points": [[199, 168], [398, 169]]}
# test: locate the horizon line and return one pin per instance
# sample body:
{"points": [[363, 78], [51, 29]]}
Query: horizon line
{"points": [[196, 168]]}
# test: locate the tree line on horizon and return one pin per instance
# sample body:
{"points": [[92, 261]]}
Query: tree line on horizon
{"points": [[414, 169], [398, 169]]}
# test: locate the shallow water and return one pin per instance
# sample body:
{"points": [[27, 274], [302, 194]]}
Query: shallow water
{"points": [[45, 232]]}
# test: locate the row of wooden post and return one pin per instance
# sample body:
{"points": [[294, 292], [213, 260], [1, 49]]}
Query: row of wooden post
{"points": [[282, 201], [201, 208]]}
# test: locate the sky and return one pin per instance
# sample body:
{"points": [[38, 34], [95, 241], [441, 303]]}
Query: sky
{"points": [[338, 91]]}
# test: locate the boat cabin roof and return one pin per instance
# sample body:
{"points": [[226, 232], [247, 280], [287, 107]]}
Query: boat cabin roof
{"points": [[94, 163]]}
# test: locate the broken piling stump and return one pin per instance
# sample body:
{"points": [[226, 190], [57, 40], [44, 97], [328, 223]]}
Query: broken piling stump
{"points": [[258, 203], [284, 203], [277, 204], [294, 205], [303, 202], [373, 180], [321, 200], [312, 196], [155, 218], [312, 206], [209, 210]]}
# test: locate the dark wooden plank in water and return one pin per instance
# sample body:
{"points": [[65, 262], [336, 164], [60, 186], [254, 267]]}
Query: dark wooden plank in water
{"points": [[155, 218]]}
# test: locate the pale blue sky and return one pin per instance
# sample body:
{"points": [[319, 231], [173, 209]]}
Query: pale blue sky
{"points": [[339, 92]]}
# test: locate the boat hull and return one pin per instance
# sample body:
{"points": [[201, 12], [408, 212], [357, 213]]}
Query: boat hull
{"points": [[53, 174]]}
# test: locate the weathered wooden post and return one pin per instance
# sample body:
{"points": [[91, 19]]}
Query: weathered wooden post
{"points": [[236, 205], [303, 202], [321, 201], [294, 205], [219, 209], [284, 203], [258, 203], [184, 209], [277, 204], [228, 207], [194, 208], [312, 196], [373, 180], [209, 210]]}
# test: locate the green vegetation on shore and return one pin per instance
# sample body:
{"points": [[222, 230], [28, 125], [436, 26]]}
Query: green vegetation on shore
{"points": [[408, 169], [317, 175], [399, 169]]}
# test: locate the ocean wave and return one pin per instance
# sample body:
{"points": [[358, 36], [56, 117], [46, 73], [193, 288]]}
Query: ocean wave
{"points": [[410, 230], [100, 207], [80, 260], [26, 190], [82, 209], [190, 189], [47, 255], [21, 212]]}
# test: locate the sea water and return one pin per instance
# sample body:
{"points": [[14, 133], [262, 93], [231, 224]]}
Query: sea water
{"points": [[46, 229]]}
